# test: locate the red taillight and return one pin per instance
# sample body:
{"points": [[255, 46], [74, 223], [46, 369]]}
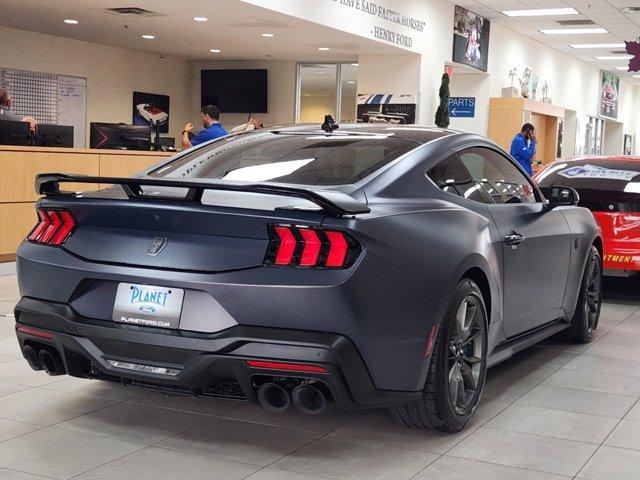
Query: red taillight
{"points": [[310, 247], [337, 249], [286, 245], [54, 227], [287, 367], [36, 332]]}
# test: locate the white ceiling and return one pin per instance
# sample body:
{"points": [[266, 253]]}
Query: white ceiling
{"points": [[234, 27], [604, 13]]}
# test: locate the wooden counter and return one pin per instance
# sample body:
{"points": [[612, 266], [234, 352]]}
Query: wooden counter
{"points": [[507, 115], [19, 166]]}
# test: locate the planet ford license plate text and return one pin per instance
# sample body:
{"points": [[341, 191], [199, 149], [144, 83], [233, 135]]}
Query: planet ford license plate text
{"points": [[148, 306]]}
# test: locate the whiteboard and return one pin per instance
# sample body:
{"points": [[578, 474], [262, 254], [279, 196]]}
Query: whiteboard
{"points": [[50, 98]]}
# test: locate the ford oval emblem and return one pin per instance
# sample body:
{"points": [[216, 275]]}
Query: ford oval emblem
{"points": [[157, 245], [147, 309]]}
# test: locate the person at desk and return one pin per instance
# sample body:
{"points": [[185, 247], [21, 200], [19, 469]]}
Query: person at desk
{"points": [[212, 128], [7, 114]]}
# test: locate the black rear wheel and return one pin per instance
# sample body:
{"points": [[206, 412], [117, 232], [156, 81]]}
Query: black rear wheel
{"points": [[585, 319], [457, 369]]}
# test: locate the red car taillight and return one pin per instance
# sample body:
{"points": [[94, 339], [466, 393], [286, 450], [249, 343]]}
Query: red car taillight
{"points": [[54, 227], [292, 246]]}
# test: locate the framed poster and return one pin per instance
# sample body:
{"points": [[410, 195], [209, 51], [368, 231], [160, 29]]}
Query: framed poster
{"points": [[149, 109], [628, 145], [609, 94], [471, 38]]}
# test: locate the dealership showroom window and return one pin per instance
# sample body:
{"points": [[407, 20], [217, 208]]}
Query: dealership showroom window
{"points": [[320, 239]]}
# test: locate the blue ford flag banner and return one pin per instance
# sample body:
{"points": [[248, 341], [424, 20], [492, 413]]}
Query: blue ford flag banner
{"points": [[462, 107]]}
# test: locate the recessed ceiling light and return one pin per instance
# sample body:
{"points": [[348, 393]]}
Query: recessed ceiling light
{"points": [[214, 50], [573, 31], [541, 12], [354, 64], [71, 21], [616, 57], [200, 19], [622, 68], [323, 49], [268, 35], [598, 45], [148, 37]]}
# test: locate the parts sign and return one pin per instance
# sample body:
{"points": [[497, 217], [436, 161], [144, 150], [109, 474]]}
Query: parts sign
{"points": [[462, 107]]}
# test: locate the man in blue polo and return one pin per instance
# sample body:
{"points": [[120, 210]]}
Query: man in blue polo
{"points": [[523, 147], [211, 124]]}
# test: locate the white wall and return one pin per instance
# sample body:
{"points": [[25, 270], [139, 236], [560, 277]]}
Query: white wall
{"points": [[281, 79], [112, 74], [573, 84]]}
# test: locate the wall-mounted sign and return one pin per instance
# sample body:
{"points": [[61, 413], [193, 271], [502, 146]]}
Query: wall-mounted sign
{"points": [[393, 109], [462, 107], [609, 95], [471, 38]]}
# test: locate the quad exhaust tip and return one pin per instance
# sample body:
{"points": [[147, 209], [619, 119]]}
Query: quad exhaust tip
{"points": [[309, 399], [273, 397], [32, 357]]}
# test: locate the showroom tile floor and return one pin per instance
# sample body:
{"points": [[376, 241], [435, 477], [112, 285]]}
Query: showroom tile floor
{"points": [[557, 411]]}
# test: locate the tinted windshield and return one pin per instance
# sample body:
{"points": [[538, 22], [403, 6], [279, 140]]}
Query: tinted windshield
{"points": [[308, 159], [603, 184]]}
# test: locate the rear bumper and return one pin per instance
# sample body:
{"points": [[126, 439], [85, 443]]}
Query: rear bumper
{"points": [[207, 363]]}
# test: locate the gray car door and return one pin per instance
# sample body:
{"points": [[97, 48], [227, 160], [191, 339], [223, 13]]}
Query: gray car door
{"points": [[536, 242]]}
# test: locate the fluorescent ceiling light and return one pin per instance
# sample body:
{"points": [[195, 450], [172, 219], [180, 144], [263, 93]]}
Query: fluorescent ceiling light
{"points": [[635, 76], [543, 12], [598, 45], [622, 68], [148, 37], [214, 50], [268, 35], [351, 82], [323, 49], [354, 64], [573, 31], [71, 21], [616, 57], [200, 19]]}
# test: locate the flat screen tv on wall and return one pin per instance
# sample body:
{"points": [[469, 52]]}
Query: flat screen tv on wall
{"points": [[471, 38], [235, 91]]}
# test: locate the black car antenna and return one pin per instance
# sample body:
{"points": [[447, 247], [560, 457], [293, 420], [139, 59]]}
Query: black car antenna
{"points": [[329, 124]]}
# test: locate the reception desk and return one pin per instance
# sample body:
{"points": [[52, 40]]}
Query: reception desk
{"points": [[20, 165]]}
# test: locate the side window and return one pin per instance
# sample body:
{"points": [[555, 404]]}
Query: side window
{"points": [[453, 177], [499, 178]]}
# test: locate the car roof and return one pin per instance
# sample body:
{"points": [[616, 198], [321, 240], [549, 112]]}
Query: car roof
{"points": [[415, 133], [604, 159]]}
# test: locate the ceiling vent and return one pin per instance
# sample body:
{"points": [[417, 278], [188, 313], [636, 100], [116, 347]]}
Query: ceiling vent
{"points": [[629, 10], [140, 12], [575, 23]]}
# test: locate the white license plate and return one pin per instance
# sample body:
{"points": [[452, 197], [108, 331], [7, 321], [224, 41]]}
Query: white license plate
{"points": [[148, 306]]}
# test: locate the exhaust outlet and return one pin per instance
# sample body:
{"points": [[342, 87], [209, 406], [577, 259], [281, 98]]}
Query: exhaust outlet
{"points": [[309, 399], [273, 397], [31, 356], [51, 363]]}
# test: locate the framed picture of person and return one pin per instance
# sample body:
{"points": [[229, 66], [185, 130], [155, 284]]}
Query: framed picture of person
{"points": [[471, 34]]}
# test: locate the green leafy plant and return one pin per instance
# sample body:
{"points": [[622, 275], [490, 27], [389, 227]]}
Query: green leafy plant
{"points": [[442, 114]]}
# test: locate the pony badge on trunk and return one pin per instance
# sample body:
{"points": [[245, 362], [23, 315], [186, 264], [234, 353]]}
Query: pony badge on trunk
{"points": [[156, 246]]}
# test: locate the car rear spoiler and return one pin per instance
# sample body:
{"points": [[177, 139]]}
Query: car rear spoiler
{"points": [[331, 201]]}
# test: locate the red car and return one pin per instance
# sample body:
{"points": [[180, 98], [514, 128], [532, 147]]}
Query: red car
{"points": [[610, 188]]}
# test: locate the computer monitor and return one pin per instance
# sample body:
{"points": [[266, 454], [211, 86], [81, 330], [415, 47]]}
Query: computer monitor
{"points": [[120, 136], [54, 136], [14, 133]]}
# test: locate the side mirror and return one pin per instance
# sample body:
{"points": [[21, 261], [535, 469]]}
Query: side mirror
{"points": [[563, 197]]}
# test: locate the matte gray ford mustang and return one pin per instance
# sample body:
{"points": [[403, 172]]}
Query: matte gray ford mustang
{"points": [[368, 266]]}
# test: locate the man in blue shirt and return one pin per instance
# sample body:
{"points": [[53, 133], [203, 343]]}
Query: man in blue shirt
{"points": [[211, 124], [523, 147]]}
